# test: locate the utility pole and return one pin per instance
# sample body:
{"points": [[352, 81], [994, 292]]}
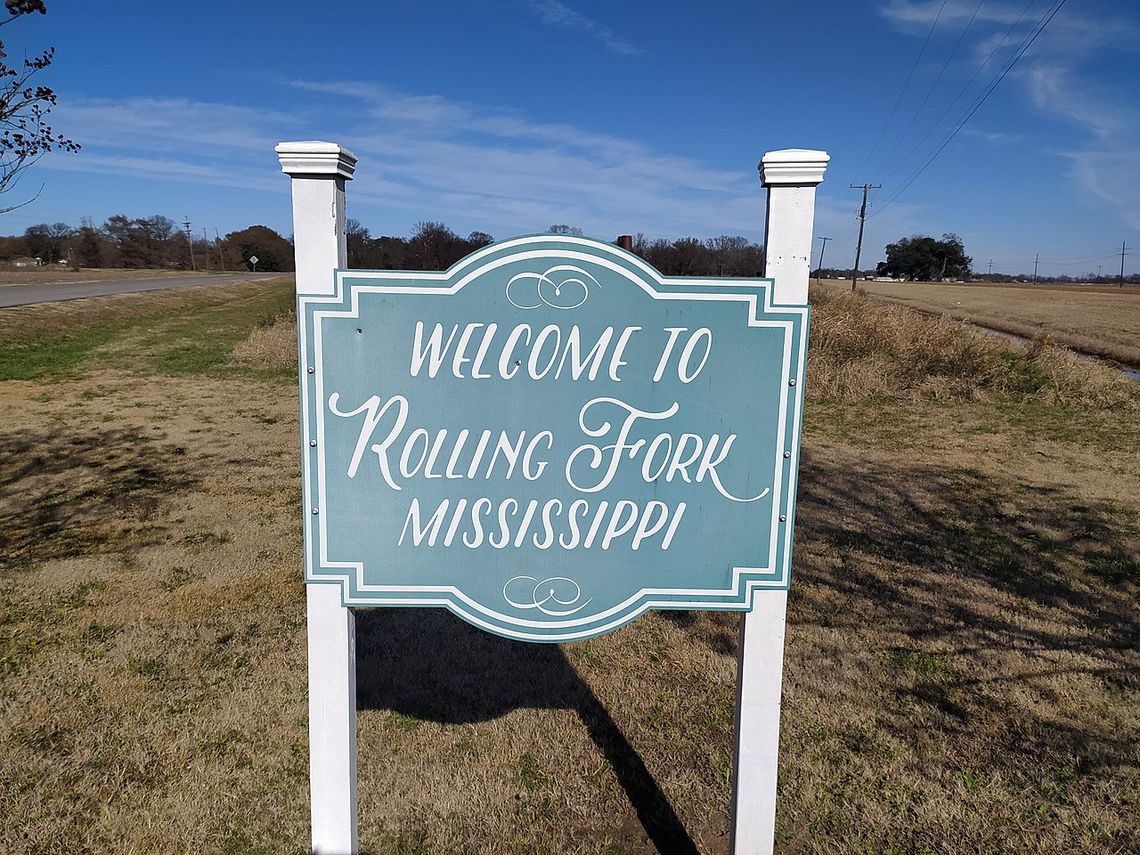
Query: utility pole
{"points": [[1036, 258], [822, 249], [1123, 249], [990, 272], [218, 245], [190, 242], [206, 241], [862, 219]]}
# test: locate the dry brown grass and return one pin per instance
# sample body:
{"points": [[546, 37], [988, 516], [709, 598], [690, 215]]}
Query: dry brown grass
{"points": [[1103, 322], [273, 346], [861, 349], [961, 670]]}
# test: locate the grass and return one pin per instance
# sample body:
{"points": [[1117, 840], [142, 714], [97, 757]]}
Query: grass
{"points": [[861, 349], [961, 670], [189, 331], [58, 275], [1102, 322]]}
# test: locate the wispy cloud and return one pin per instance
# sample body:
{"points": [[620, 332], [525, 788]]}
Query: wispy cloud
{"points": [[908, 15], [995, 138], [997, 30], [1053, 91], [1107, 167], [142, 123], [503, 169], [560, 15], [474, 166], [1050, 82], [169, 169]]}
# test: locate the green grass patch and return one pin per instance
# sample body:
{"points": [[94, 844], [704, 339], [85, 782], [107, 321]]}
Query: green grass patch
{"points": [[199, 341], [148, 336], [53, 353], [1023, 374]]}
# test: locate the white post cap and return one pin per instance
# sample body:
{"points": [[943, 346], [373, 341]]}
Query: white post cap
{"points": [[313, 157], [800, 167]]}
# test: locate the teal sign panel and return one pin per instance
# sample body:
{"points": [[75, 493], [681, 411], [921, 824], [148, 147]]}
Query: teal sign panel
{"points": [[549, 438]]}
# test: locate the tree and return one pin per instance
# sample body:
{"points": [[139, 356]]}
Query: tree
{"points": [[357, 239], [563, 229], [273, 252], [922, 258], [88, 247], [45, 241], [433, 246], [733, 255], [145, 242], [24, 108]]}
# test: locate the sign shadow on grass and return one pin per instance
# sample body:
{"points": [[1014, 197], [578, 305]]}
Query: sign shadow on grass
{"points": [[430, 665]]}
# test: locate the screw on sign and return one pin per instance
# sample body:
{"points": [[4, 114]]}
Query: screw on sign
{"points": [[547, 439]]}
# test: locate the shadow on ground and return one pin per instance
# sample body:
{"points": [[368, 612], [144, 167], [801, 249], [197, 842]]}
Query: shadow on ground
{"points": [[923, 543], [65, 493], [431, 665], [975, 597]]}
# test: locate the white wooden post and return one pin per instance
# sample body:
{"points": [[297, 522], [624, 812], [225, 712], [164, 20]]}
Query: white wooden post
{"points": [[790, 177], [318, 171]]}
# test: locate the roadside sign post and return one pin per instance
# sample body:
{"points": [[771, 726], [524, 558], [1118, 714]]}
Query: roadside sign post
{"points": [[790, 178], [253, 261], [519, 439], [319, 171]]}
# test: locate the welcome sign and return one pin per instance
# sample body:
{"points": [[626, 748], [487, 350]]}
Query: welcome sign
{"points": [[549, 438]]}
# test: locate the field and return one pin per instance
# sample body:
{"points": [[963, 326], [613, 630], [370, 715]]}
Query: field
{"points": [[1099, 321], [59, 275], [962, 672]]}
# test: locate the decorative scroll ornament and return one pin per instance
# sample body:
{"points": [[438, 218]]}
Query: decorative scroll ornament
{"points": [[563, 286], [545, 595]]}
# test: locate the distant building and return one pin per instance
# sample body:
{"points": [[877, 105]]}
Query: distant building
{"points": [[25, 261]]}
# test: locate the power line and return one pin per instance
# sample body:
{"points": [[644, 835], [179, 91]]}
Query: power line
{"points": [[934, 85], [1072, 259], [938, 122], [978, 102], [902, 91]]}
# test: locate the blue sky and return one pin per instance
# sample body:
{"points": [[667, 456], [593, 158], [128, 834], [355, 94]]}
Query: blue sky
{"points": [[614, 117]]}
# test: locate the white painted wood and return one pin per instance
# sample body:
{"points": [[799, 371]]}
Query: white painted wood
{"points": [[332, 722], [318, 171], [790, 177], [760, 659]]}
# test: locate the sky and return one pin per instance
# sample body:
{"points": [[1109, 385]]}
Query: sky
{"points": [[508, 117]]}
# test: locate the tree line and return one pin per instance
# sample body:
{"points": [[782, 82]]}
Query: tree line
{"points": [[158, 242], [147, 242], [434, 246]]}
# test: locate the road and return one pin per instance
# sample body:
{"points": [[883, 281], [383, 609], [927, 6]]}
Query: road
{"points": [[23, 295]]}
